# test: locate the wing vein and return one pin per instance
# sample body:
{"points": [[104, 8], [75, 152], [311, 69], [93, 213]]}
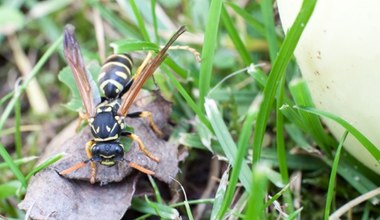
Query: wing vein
{"points": [[149, 69]]}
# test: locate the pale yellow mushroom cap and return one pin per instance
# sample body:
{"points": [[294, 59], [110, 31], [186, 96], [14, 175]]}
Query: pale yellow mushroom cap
{"points": [[339, 57]]}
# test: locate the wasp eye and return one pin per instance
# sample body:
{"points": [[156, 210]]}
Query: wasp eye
{"points": [[95, 149], [119, 150]]}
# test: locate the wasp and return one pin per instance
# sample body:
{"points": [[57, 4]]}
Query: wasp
{"points": [[106, 115]]}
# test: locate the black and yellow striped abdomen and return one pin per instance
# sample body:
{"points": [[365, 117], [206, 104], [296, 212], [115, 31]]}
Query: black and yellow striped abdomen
{"points": [[115, 75]]}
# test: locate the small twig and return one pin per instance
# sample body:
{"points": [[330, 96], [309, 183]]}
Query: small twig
{"points": [[23, 128], [196, 54], [338, 213], [214, 172], [99, 32], [34, 92], [27, 80], [185, 197]]}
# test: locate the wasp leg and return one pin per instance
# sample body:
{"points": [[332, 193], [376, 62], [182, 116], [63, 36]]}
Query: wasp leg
{"points": [[140, 168], [143, 64], [83, 163], [148, 115], [82, 117], [73, 168], [89, 144], [141, 145]]}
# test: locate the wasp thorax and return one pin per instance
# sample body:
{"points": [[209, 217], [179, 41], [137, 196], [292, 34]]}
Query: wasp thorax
{"points": [[106, 125], [107, 153]]}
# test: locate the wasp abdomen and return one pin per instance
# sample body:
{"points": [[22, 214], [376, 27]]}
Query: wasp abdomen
{"points": [[115, 75]]}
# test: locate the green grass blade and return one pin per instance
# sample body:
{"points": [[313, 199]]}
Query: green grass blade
{"points": [[18, 138], [27, 80], [124, 46], [256, 206], [294, 161], [280, 139], [243, 145], [234, 35], [371, 148], [220, 195], [302, 97], [226, 142], [278, 72], [299, 138], [19, 161], [295, 214], [188, 99], [155, 26], [186, 202], [193, 202], [114, 19], [153, 208], [277, 196], [281, 148], [352, 175], [155, 189], [9, 189], [44, 164], [257, 25], [180, 71], [270, 29], [140, 20], [293, 116], [194, 140], [6, 97], [331, 186], [208, 51], [16, 171]]}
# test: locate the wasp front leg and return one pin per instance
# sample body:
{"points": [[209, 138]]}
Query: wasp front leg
{"points": [[141, 145], [79, 165], [89, 144], [82, 117], [148, 115]]}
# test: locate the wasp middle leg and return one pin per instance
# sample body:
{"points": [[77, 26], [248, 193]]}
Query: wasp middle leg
{"points": [[147, 115], [140, 144]]}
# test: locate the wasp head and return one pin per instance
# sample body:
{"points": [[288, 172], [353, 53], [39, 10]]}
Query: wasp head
{"points": [[107, 153]]}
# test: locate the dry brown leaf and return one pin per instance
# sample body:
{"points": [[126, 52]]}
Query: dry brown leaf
{"points": [[73, 197]]}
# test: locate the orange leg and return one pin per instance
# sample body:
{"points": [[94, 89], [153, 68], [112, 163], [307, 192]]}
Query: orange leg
{"points": [[93, 164], [140, 168], [83, 163], [73, 168], [141, 146], [148, 115]]}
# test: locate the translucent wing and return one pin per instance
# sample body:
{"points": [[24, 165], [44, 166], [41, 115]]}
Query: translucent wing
{"points": [[145, 73], [87, 88]]}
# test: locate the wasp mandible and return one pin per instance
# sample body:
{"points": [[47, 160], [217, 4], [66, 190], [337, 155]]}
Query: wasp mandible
{"points": [[106, 116]]}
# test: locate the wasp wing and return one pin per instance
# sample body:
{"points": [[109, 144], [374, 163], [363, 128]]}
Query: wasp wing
{"points": [[145, 73], [86, 86]]}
